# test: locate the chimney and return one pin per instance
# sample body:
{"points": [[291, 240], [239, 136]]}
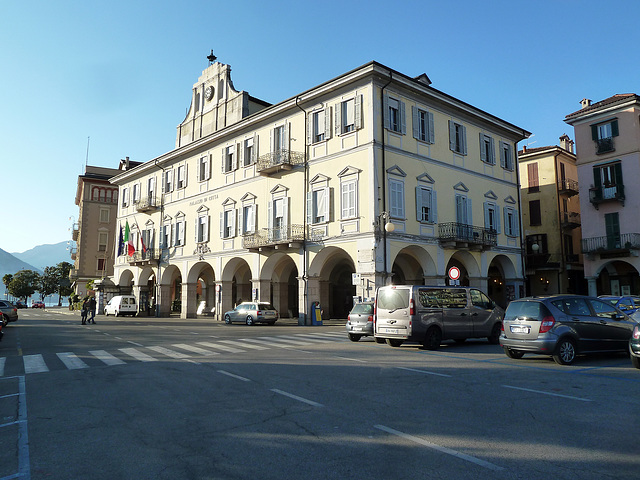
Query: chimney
{"points": [[585, 102], [566, 143], [524, 149]]}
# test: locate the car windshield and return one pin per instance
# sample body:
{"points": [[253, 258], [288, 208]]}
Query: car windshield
{"points": [[526, 309], [265, 306], [363, 308], [393, 298], [611, 300]]}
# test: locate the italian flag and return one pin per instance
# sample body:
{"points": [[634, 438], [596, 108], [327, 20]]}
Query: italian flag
{"points": [[128, 239]]}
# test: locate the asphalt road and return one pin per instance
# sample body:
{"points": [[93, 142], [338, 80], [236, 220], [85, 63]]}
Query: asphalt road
{"points": [[140, 398]]}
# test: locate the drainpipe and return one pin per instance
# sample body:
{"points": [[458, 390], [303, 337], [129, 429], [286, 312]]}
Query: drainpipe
{"points": [[562, 264], [384, 181], [305, 252], [161, 250], [522, 236]]}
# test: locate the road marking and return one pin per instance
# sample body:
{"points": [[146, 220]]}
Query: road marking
{"points": [[549, 393], [169, 353], [71, 360], [423, 371], [295, 397], [107, 358], [309, 338], [226, 348], [34, 364], [3, 360], [138, 355], [245, 345], [229, 374], [285, 341], [440, 448], [265, 342], [315, 338], [192, 348], [350, 359], [134, 343]]}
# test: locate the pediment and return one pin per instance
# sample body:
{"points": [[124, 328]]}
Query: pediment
{"points": [[460, 187], [396, 170], [510, 200], [490, 194], [426, 178], [349, 171], [248, 197], [229, 201], [279, 189], [319, 178]]}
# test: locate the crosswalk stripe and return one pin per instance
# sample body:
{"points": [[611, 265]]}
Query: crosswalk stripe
{"points": [[315, 337], [168, 352], [226, 348], [138, 355], [34, 364], [195, 349], [306, 339], [286, 341], [106, 357], [265, 342], [71, 360], [2, 362], [245, 345]]}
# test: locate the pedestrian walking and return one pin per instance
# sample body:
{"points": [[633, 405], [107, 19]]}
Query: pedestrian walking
{"points": [[83, 312], [92, 310]]}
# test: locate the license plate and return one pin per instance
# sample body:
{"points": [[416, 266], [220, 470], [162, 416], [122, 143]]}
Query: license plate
{"points": [[520, 329], [389, 330], [357, 329]]}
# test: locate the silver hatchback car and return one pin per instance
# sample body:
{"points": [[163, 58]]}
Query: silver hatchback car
{"points": [[252, 313], [564, 326], [360, 321]]}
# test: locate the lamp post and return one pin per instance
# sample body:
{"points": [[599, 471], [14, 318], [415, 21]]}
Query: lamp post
{"points": [[383, 226]]}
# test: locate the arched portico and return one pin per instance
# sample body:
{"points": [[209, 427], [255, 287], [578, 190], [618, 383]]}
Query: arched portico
{"points": [[278, 283], [235, 285], [145, 291], [616, 277], [502, 281], [330, 282], [200, 287], [470, 275], [413, 266], [170, 291]]}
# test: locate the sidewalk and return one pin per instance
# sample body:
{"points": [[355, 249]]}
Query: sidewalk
{"points": [[290, 322]]}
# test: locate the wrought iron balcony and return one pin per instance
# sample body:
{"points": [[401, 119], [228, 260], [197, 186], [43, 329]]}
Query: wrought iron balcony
{"points": [[604, 145], [570, 220], [568, 187], [148, 204], [144, 258], [75, 232], [620, 243], [290, 236], [279, 160], [459, 235], [598, 195]]}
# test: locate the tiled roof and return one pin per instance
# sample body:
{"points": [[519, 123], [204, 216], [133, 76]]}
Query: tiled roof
{"points": [[607, 101]]}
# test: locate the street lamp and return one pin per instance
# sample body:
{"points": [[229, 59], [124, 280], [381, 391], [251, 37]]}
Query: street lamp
{"points": [[385, 219]]}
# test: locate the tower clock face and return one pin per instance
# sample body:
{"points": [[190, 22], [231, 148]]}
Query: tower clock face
{"points": [[208, 93]]}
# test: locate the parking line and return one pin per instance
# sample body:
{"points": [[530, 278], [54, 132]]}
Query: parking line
{"points": [[548, 393], [2, 362], [232, 375], [448, 451], [424, 371], [295, 397]]}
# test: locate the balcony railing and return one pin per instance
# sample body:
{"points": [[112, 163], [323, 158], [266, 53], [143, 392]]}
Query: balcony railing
{"points": [[279, 160], [278, 237], [568, 187], [148, 204], [604, 145], [598, 195], [570, 219], [611, 243], [457, 233], [143, 258]]}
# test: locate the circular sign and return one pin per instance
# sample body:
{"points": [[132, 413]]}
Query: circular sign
{"points": [[454, 273]]}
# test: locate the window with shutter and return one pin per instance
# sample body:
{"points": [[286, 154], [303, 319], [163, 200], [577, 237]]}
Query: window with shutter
{"points": [[457, 137], [532, 177]]}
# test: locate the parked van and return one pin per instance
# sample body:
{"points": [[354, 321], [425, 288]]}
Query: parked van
{"points": [[429, 315], [121, 305]]}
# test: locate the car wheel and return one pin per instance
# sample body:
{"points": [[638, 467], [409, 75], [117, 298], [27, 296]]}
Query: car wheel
{"points": [[249, 320], [393, 342], [494, 337], [379, 340], [513, 353], [565, 352], [227, 319], [432, 339], [354, 338], [635, 361]]}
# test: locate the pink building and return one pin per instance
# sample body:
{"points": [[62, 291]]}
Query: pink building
{"points": [[607, 137]]}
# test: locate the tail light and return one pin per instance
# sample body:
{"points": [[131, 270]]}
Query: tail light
{"points": [[547, 324], [412, 307], [370, 318], [258, 313], [502, 326], [636, 332], [349, 319]]}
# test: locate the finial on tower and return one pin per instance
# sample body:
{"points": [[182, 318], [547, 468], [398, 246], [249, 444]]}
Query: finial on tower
{"points": [[211, 57]]}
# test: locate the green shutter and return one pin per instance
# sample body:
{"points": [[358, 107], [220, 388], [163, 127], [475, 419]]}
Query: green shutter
{"points": [[594, 133], [614, 128], [597, 178]]}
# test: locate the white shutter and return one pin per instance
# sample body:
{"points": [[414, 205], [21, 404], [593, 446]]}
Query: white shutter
{"points": [[434, 207], [324, 206], [254, 152], [403, 120], [251, 224], [224, 154], [285, 214], [327, 123], [483, 152], [222, 224], [418, 201], [497, 219], [464, 140], [415, 122], [285, 135], [270, 215], [310, 127], [385, 111], [241, 221], [338, 118], [357, 115], [236, 156], [430, 130], [452, 136], [309, 207], [502, 163], [234, 222]]}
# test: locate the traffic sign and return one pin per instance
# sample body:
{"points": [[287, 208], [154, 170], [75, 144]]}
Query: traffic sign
{"points": [[454, 273]]}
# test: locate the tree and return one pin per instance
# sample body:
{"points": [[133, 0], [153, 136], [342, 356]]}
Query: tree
{"points": [[64, 284], [7, 280], [24, 284], [48, 284], [56, 280]]}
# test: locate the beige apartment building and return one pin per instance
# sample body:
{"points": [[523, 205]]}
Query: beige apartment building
{"points": [[551, 219], [607, 137], [371, 178], [93, 233]]}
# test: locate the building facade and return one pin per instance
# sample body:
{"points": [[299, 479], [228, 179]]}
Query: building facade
{"points": [[607, 137], [551, 219], [93, 233], [370, 178]]}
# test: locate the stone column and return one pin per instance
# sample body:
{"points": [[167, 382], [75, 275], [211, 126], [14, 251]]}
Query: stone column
{"points": [[593, 286], [189, 300], [163, 301]]}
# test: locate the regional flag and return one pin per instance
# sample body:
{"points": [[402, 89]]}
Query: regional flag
{"points": [[120, 242]]}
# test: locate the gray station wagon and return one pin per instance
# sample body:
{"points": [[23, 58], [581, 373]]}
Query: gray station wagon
{"points": [[429, 315]]}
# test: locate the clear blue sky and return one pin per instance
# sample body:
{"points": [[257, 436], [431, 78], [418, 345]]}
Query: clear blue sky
{"points": [[121, 72]]}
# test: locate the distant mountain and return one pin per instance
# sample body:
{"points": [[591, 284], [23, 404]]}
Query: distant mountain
{"points": [[11, 264], [45, 255]]}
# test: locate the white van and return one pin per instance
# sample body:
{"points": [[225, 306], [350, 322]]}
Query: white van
{"points": [[121, 305], [429, 315]]}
